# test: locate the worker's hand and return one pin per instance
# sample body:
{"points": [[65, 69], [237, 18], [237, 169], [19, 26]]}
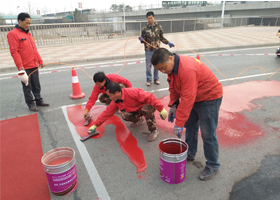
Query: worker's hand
{"points": [[172, 113], [92, 129], [21, 68], [178, 131], [86, 115], [141, 39], [171, 45], [41, 66], [163, 114]]}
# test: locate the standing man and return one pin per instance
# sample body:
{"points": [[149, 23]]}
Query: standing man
{"points": [[152, 33], [195, 99], [26, 57], [101, 82], [134, 103]]}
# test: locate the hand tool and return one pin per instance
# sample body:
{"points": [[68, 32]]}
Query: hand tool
{"points": [[89, 136], [88, 120]]}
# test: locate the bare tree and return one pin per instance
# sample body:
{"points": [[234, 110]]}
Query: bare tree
{"points": [[29, 7]]}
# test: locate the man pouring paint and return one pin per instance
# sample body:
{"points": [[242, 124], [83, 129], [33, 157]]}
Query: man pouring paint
{"points": [[101, 82], [134, 104], [195, 99]]}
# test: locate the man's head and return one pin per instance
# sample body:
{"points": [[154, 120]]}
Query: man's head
{"points": [[163, 60], [99, 79], [24, 20], [114, 91], [151, 18]]}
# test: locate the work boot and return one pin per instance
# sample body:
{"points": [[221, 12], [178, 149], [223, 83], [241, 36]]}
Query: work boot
{"points": [[42, 103], [134, 124], [153, 135], [32, 107], [207, 174]]}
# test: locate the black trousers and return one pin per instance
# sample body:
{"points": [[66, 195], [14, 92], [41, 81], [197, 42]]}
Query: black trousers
{"points": [[33, 87]]}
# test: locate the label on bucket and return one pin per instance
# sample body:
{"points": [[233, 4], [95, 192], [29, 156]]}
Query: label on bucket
{"points": [[172, 173], [63, 183]]}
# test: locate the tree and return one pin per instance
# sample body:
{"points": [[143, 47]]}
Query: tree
{"points": [[114, 7]]}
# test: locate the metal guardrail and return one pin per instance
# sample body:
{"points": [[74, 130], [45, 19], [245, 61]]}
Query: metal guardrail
{"points": [[55, 34]]}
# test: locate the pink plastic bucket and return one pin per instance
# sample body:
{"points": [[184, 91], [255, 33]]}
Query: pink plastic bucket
{"points": [[173, 154], [60, 168]]}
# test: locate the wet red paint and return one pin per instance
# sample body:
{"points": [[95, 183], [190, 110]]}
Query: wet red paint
{"points": [[59, 161], [235, 128], [127, 142]]}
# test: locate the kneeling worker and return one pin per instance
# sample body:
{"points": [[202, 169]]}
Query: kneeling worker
{"points": [[101, 81], [134, 103]]}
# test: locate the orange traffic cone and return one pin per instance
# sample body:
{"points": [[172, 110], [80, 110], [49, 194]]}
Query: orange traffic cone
{"points": [[76, 89], [198, 57]]}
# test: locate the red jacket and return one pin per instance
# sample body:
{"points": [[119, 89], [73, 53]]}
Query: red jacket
{"points": [[133, 100], [96, 90], [23, 49], [191, 81]]}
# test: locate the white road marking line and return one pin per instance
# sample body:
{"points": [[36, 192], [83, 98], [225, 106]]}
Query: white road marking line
{"points": [[91, 169]]}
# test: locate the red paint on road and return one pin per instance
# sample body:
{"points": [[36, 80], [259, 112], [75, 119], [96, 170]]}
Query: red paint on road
{"points": [[127, 142]]}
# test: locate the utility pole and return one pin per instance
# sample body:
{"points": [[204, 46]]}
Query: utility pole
{"points": [[124, 19], [222, 22]]}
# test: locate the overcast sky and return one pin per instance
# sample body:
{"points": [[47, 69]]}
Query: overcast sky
{"points": [[8, 7]]}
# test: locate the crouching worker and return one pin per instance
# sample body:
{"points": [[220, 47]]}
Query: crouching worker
{"points": [[134, 104], [101, 81]]}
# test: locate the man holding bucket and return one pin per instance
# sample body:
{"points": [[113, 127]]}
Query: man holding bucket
{"points": [[134, 104], [27, 58], [195, 99]]}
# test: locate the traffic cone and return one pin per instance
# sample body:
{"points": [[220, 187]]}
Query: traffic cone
{"points": [[76, 89], [198, 57]]}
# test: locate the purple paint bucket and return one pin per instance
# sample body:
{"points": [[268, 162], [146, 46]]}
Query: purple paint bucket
{"points": [[60, 168], [173, 154]]}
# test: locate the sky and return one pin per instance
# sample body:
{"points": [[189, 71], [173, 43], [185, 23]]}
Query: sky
{"points": [[13, 7]]}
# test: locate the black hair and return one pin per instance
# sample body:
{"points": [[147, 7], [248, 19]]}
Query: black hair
{"points": [[99, 77], [23, 16], [160, 55], [113, 87], [150, 13]]}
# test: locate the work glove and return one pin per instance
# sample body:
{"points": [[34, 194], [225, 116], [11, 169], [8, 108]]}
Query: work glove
{"points": [[163, 114], [86, 116], [171, 45], [141, 39], [172, 113], [178, 131], [92, 129]]}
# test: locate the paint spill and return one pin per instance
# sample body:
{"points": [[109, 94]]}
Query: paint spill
{"points": [[234, 128], [127, 142]]}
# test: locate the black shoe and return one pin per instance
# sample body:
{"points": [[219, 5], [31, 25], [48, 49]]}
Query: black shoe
{"points": [[190, 159], [207, 174], [41, 103], [33, 107]]}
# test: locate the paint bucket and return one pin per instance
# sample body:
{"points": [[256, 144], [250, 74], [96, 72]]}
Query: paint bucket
{"points": [[60, 168], [23, 76], [173, 154]]}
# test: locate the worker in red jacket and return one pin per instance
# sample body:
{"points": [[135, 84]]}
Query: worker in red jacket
{"points": [[134, 103], [195, 99], [26, 57], [101, 81]]}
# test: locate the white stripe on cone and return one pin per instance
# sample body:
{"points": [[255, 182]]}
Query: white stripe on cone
{"points": [[75, 79]]}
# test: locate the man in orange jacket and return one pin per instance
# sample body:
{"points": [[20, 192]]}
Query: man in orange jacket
{"points": [[134, 103], [26, 57], [195, 99], [101, 82]]}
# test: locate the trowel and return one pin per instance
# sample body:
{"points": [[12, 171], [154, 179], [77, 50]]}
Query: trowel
{"points": [[89, 136], [88, 120]]}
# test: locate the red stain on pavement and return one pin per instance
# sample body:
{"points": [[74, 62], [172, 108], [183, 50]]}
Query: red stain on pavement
{"points": [[235, 128], [127, 142]]}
